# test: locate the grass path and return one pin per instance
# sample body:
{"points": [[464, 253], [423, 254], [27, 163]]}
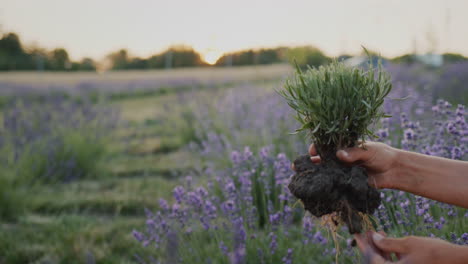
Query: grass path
{"points": [[91, 221]]}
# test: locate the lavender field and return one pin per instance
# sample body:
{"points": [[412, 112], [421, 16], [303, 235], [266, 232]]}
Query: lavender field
{"points": [[193, 167]]}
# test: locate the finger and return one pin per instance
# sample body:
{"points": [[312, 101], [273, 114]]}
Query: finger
{"points": [[386, 255], [293, 167], [389, 245], [315, 159], [362, 242], [382, 233], [370, 254], [351, 155], [312, 150], [372, 258]]}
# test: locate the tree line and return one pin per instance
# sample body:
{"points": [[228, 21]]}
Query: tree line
{"points": [[14, 56]]}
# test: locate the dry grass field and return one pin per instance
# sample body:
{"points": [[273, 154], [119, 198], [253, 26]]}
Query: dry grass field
{"points": [[209, 74]]}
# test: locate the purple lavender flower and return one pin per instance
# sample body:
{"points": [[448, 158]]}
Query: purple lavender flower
{"points": [[138, 236], [382, 133], [428, 218], [178, 193], [288, 258], [236, 157], [275, 218], [464, 237], [228, 207], [273, 243], [223, 248], [319, 238], [163, 204]]}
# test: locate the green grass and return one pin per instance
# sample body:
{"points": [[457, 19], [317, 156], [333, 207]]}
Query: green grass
{"points": [[91, 220], [116, 196], [70, 239]]}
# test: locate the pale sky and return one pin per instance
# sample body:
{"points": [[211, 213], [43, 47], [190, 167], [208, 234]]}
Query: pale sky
{"points": [[93, 28]]}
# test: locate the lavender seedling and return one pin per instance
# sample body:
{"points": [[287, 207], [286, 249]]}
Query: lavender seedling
{"points": [[336, 104]]}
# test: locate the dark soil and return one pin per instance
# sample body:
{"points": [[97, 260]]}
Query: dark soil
{"points": [[332, 187]]}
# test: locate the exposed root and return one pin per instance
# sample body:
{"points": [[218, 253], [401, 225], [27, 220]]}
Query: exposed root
{"points": [[367, 222], [333, 222]]}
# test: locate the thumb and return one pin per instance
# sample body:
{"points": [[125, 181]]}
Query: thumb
{"points": [[351, 155], [389, 245]]}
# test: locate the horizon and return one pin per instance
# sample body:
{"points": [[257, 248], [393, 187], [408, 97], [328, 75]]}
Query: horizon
{"points": [[214, 28]]}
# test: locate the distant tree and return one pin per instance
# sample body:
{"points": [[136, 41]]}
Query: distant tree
{"points": [[270, 56], [176, 56], [252, 57], [184, 56], [137, 64], [119, 59], [59, 60], [307, 55], [12, 54], [11, 43], [453, 58], [86, 64], [267, 56], [173, 57], [405, 59], [156, 62], [40, 59]]}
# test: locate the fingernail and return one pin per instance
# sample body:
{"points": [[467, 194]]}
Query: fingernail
{"points": [[377, 237], [343, 153]]}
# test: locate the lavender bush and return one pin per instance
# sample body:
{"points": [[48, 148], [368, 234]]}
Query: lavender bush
{"points": [[54, 139], [253, 116], [244, 213], [453, 83]]}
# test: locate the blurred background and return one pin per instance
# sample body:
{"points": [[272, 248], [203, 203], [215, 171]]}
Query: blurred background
{"points": [[107, 106]]}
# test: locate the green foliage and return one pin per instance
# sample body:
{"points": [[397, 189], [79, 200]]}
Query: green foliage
{"points": [[11, 197], [252, 57], [307, 56], [405, 59], [86, 64], [76, 155], [337, 103], [119, 59], [12, 54], [70, 239], [14, 57], [173, 57], [59, 60], [453, 58], [54, 139]]}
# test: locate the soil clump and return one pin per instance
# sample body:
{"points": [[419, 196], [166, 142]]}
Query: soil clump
{"points": [[333, 187]]}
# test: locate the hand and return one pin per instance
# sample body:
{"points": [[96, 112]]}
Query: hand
{"points": [[377, 249], [379, 159]]}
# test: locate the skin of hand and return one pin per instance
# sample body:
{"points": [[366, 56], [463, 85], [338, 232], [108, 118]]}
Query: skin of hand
{"points": [[379, 159], [412, 172], [376, 248], [392, 168]]}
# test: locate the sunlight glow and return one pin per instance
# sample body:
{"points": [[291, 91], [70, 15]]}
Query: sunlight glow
{"points": [[212, 56]]}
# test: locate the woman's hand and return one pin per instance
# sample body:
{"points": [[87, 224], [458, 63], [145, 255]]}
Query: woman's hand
{"points": [[436, 178], [377, 249], [379, 159]]}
